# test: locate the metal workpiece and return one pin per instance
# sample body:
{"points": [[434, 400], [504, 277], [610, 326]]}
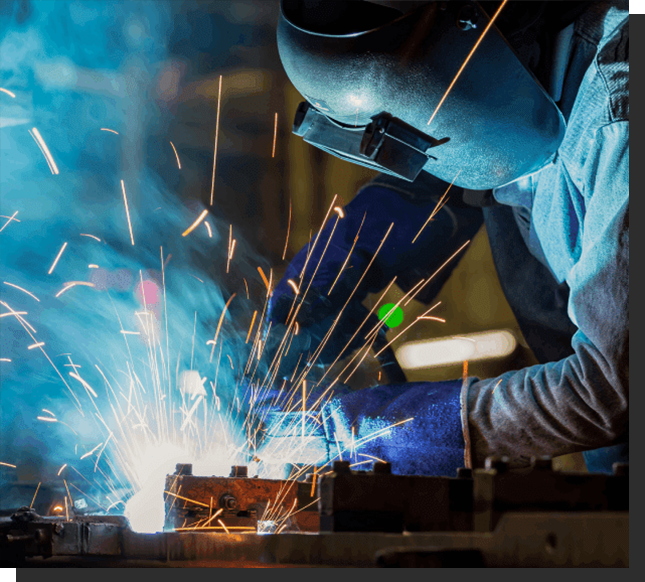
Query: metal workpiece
{"points": [[540, 489], [380, 501], [519, 540], [238, 503]]}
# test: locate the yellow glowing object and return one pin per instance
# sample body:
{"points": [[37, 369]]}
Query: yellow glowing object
{"points": [[195, 224], [51, 269]]}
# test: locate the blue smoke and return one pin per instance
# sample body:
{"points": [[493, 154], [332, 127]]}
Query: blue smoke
{"points": [[77, 69]]}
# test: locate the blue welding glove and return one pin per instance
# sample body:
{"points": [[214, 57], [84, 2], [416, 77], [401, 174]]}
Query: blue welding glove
{"points": [[367, 220], [432, 443]]}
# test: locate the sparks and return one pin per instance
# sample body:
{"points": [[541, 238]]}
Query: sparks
{"points": [[127, 211], [208, 228], [219, 324], [251, 327], [36, 345], [34, 498], [286, 242], [470, 54], [92, 266], [23, 290], [47, 419], [338, 210], [7, 465], [293, 285], [12, 95], [43, 147], [51, 269], [71, 284], [219, 102], [61, 469], [195, 224], [5, 360], [264, 277], [12, 217], [275, 134], [176, 155], [92, 451], [110, 130], [91, 236], [437, 208]]}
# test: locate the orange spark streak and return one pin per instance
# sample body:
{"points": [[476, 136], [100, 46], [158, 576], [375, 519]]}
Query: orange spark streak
{"points": [[92, 266], [219, 324], [264, 278], [286, 242], [293, 285], [313, 483], [7, 465], [437, 271], [34, 499], [127, 211], [219, 102], [47, 419], [13, 95], [73, 284], [36, 345], [61, 469], [338, 210], [275, 134], [470, 54], [437, 208], [8, 221], [496, 386], [110, 130], [222, 524], [23, 290], [230, 255], [348, 255], [176, 155], [430, 317], [91, 236], [465, 372], [43, 146], [406, 329], [304, 409], [246, 286], [5, 359], [195, 224], [208, 228], [51, 269], [251, 327]]}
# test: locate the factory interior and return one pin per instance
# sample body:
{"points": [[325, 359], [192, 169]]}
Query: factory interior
{"points": [[164, 176]]}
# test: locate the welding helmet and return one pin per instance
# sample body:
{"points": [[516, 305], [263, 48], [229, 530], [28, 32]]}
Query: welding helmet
{"points": [[373, 76]]}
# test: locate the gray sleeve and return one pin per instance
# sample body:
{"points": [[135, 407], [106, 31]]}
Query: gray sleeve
{"points": [[580, 402]]}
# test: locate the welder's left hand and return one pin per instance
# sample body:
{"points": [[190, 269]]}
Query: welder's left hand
{"points": [[428, 441]]}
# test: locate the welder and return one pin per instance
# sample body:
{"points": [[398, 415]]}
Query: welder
{"points": [[533, 134]]}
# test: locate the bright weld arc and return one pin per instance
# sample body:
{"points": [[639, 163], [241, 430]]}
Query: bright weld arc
{"points": [[195, 224], [127, 211], [470, 54], [46, 151], [51, 269]]}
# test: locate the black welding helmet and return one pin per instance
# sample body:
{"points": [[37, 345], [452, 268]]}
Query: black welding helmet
{"points": [[373, 77]]}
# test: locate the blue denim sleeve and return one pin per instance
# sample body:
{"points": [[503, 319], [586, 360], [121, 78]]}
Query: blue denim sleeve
{"points": [[580, 402]]}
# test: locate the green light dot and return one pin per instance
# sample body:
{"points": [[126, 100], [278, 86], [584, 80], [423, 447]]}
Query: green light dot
{"points": [[395, 318]]}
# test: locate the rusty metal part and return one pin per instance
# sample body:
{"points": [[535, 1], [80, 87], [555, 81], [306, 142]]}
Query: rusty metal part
{"points": [[239, 502]]}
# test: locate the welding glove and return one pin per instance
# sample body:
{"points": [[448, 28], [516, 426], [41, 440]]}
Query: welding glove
{"points": [[358, 235], [359, 426]]}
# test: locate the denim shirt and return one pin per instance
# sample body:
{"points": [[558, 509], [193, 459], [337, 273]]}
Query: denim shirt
{"points": [[578, 208]]}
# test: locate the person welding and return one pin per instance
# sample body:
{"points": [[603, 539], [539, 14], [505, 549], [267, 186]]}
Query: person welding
{"points": [[523, 108]]}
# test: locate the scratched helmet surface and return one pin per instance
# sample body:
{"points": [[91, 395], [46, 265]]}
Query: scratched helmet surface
{"points": [[356, 61]]}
